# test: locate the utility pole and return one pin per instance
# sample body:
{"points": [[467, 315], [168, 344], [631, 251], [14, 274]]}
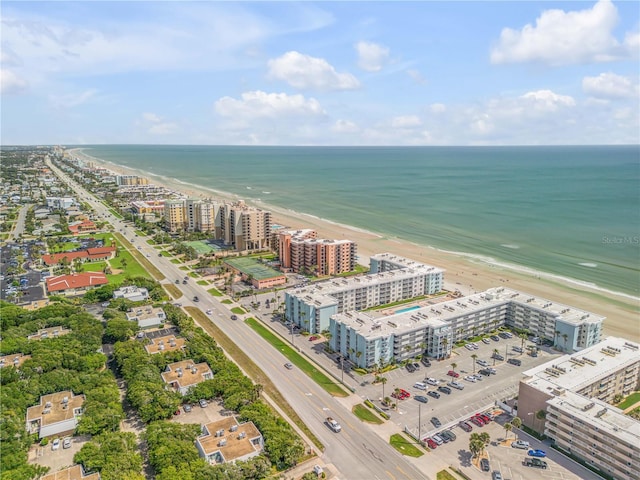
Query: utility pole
{"points": [[420, 424]]}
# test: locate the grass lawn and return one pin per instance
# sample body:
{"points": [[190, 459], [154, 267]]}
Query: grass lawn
{"points": [[173, 260], [252, 370], [140, 233], [93, 266], [238, 310], [116, 214], [226, 301], [215, 292], [137, 264], [173, 290], [630, 400], [444, 475], [64, 247], [404, 445], [202, 282], [164, 253], [131, 268], [194, 275], [185, 268], [297, 359], [366, 415]]}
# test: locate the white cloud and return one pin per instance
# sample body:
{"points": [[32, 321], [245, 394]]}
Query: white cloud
{"points": [[371, 56], [560, 38], [406, 121], [71, 100], [344, 126], [438, 108], [546, 100], [417, 76], [610, 85], [156, 125], [11, 83], [271, 105], [306, 72]]}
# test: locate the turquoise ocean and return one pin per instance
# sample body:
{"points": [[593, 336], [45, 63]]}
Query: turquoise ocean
{"points": [[569, 211]]}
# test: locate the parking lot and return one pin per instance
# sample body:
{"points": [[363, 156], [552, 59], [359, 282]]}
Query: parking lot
{"points": [[505, 459], [56, 459], [459, 404]]}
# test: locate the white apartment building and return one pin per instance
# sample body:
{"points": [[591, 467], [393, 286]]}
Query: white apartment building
{"points": [[147, 316], [312, 307], [575, 392], [60, 203], [435, 328]]}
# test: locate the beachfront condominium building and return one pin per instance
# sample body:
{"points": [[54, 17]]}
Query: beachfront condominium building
{"points": [[300, 251], [174, 215], [312, 307], [569, 400], [435, 328], [245, 227], [131, 180]]}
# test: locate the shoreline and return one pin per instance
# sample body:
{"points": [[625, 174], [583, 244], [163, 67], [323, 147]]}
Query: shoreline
{"points": [[467, 272]]}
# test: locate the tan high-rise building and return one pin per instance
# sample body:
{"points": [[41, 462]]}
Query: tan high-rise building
{"points": [[300, 251], [206, 216], [174, 215], [291, 248], [245, 227]]}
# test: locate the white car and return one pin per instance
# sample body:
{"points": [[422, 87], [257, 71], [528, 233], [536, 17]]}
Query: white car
{"points": [[56, 444], [521, 444], [470, 378], [483, 363], [468, 346], [431, 381], [209, 312]]}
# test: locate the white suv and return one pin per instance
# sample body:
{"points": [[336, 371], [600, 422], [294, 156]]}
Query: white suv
{"points": [[431, 381]]}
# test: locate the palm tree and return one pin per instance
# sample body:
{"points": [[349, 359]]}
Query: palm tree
{"points": [[358, 355], [454, 366], [474, 356], [495, 352], [507, 428], [523, 336], [517, 423], [557, 332], [383, 380]]}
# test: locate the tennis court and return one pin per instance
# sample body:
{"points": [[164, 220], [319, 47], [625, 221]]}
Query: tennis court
{"points": [[202, 247], [252, 266]]}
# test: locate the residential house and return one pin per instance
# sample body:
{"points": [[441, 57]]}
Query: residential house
{"points": [[227, 441], [181, 376], [55, 415], [76, 283], [147, 316], [132, 293]]}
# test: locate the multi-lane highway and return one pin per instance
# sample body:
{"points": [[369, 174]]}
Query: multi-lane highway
{"points": [[357, 452]]}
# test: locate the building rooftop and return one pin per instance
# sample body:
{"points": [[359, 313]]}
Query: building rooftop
{"points": [[609, 420], [145, 312], [168, 343], [13, 360], [583, 368], [186, 373], [238, 438], [55, 407], [72, 473], [50, 332], [76, 280], [369, 326]]}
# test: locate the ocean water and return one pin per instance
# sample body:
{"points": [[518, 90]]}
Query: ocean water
{"points": [[571, 212]]}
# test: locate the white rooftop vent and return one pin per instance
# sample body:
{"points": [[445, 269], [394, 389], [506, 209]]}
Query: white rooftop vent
{"points": [[46, 410], [233, 428], [222, 442], [65, 399], [241, 435], [47, 405]]}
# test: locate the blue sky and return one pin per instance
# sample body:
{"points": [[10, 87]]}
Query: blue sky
{"points": [[321, 73]]}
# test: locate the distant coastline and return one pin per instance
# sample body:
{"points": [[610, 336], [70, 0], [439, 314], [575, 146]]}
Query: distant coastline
{"points": [[465, 271]]}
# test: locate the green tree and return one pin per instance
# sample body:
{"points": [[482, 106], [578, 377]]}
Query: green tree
{"points": [[517, 423], [507, 428], [474, 358], [383, 381]]}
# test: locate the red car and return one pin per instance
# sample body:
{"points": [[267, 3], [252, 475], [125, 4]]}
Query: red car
{"points": [[476, 421], [401, 394], [485, 418], [432, 445], [404, 393], [453, 374], [313, 337]]}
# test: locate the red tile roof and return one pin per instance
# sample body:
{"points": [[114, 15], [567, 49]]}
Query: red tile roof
{"points": [[90, 253], [76, 280]]}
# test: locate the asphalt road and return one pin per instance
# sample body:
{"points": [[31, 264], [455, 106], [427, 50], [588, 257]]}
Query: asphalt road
{"points": [[357, 452]]}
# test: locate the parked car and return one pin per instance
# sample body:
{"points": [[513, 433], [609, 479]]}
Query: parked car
{"points": [[234, 317], [498, 357], [416, 365], [438, 439], [486, 341], [503, 335], [431, 444], [445, 390], [468, 346], [482, 363], [470, 378], [410, 368], [433, 394], [436, 422], [55, 445], [186, 407], [453, 374], [537, 453], [456, 385], [521, 444], [203, 403], [313, 338], [486, 418], [517, 349], [514, 361], [484, 465], [495, 338], [465, 426], [66, 443], [431, 381], [535, 462], [421, 398], [288, 366], [496, 475], [425, 361], [317, 469], [209, 312], [449, 434]]}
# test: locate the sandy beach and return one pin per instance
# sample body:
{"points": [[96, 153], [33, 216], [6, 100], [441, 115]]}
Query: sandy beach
{"points": [[622, 311]]}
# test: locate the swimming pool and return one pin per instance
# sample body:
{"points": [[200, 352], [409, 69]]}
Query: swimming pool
{"points": [[408, 309]]}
